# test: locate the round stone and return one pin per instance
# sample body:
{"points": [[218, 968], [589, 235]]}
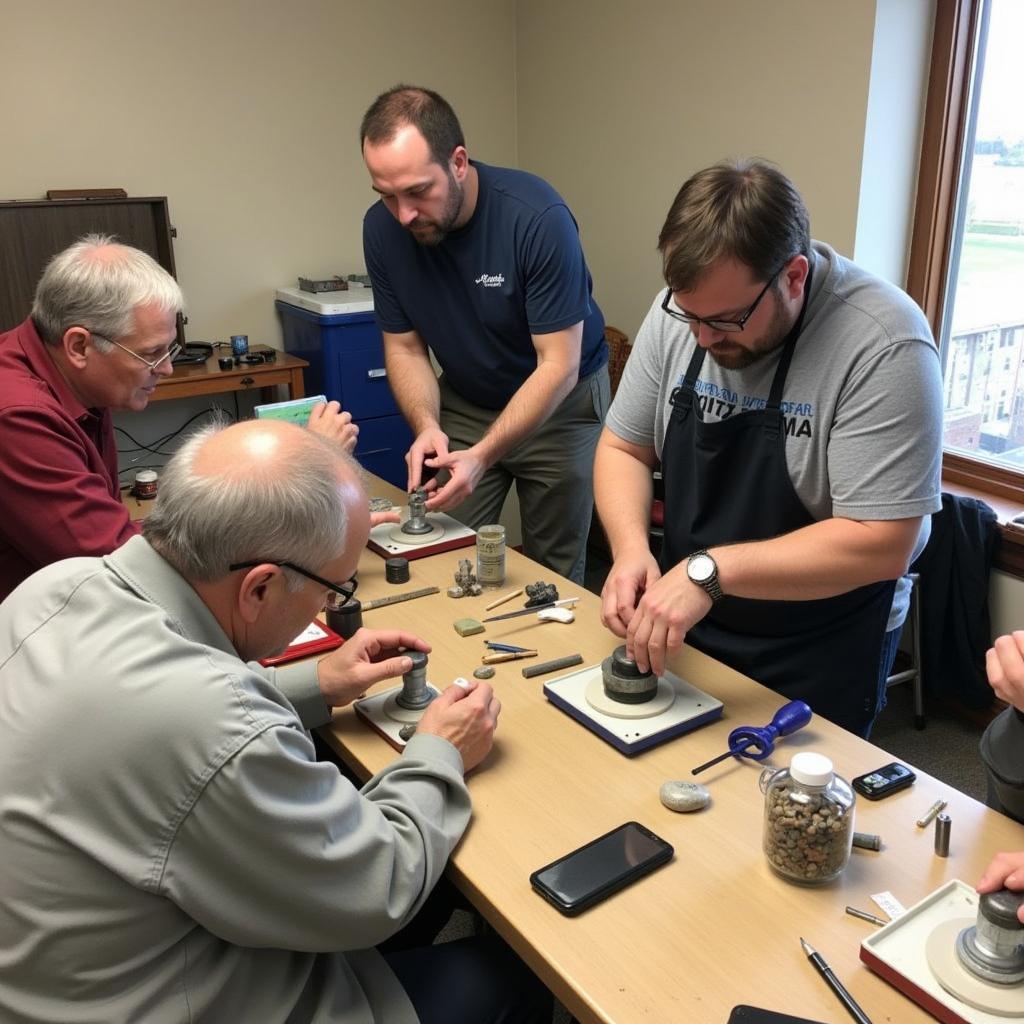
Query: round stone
{"points": [[484, 672], [684, 796], [407, 732]]}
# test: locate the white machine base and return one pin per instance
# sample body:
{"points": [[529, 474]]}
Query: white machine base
{"points": [[388, 541], [677, 708], [899, 953], [384, 714]]}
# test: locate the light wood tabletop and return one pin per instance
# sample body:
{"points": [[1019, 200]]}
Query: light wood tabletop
{"points": [[207, 378], [715, 927]]}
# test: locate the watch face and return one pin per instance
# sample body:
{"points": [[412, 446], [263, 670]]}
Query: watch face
{"points": [[700, 568]]}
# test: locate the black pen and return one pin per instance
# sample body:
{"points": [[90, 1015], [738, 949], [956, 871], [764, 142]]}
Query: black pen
{"points": [[835, 984]]}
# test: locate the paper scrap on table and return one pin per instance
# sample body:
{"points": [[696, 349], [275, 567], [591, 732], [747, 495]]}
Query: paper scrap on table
{"points": [[889, 904]]}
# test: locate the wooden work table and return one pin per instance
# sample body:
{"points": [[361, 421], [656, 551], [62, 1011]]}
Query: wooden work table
{"points": [[714, 928], [192, 379]]}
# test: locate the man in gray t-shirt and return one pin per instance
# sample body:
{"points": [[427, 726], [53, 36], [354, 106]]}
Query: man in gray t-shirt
{"points": [[801, 461]]}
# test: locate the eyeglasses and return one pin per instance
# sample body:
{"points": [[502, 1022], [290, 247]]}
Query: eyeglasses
{"points": [[346, 591], [725, 326], [151, 366]]}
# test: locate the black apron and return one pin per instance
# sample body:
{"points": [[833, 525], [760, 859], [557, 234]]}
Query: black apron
{"points": [[727, 482]]}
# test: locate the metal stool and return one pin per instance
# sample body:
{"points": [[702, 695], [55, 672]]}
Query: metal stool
{"points": [[913, 673]]}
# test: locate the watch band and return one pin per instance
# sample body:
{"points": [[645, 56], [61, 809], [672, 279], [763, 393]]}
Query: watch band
{"points": [[711, 585]]}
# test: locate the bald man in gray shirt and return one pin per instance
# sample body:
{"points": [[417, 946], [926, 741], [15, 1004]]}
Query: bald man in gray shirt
{"points": [[172, 849]]}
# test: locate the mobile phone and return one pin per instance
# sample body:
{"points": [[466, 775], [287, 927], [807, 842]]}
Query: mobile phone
{"points": [[601, 867], [884, 781], [755, 1015]]}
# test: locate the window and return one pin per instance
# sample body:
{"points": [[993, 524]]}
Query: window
{"points": [[967, 259]]}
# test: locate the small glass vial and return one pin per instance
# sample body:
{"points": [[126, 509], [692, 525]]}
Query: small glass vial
{"points": [[808, 820], [146, 484], [490, 556]]}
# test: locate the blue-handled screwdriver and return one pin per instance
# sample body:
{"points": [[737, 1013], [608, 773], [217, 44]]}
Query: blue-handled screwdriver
{"points": [[787, 720]]}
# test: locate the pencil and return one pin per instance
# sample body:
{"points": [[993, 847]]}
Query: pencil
{"points": [[502, 600]]}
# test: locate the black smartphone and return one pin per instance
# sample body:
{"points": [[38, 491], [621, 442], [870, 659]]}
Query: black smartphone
{"points": [[884, 781], [606, 864], [755, 1015]]}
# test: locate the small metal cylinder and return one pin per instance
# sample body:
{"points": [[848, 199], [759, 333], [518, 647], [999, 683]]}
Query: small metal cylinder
{"points": [[993, 948], [396, 570], [415, 693], [867, 841], [624, 682], [942, 826], [417, 521], [345, 619]]}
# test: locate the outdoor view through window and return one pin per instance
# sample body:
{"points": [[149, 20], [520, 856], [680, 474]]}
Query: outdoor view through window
{"points": [[983, 326]]}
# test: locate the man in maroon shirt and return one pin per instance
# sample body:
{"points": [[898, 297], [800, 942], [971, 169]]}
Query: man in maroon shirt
{"points": [[99, 338]]}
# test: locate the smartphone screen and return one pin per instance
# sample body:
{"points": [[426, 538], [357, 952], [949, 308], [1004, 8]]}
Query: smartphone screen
{"points": [[585, 876]]}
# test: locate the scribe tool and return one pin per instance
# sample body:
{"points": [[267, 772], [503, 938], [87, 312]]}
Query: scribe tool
{"points": [[787, 720], [530, 611]]}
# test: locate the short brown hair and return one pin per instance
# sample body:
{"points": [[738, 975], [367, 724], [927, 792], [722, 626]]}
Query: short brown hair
{"points": [[427, 111], [744, 210]]}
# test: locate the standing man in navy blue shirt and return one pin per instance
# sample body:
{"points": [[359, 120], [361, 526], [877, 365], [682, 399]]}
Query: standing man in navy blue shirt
{"points": [[483, 267]]}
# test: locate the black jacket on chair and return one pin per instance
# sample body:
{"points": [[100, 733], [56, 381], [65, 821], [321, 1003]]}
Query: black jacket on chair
{"points": [[955, 628]]}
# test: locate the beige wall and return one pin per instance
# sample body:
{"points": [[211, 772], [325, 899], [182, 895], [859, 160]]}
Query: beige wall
{"points": [[619, 103], [246, 115]]}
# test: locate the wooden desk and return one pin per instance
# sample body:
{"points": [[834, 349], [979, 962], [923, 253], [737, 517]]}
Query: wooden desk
{"points": [[715, 927], [207, 378]]}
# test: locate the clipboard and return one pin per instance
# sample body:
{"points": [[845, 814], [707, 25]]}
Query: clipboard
{"points": [[314, 638]]}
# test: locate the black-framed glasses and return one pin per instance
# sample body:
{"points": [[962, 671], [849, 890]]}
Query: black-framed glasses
{"points": [[725, 326], [346, 591]]}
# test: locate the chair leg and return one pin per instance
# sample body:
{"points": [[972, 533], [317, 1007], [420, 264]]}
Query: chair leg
{"points": [[915, 616]]}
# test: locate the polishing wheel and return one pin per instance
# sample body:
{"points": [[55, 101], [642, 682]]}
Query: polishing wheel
{"points": [[1002, 1000]]}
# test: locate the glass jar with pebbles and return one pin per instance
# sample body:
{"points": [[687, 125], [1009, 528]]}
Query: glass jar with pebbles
{"points": [[808, 819]]}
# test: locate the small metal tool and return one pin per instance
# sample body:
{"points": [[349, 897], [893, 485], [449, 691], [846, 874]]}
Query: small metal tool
{"points": [[942, 827], [865, 916], [787, 720], [493, 645], [929, 816], [411, 595], [529, 611]]}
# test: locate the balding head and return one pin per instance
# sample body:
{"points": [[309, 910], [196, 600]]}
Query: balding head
{"points": [[258, 490], [98, 283]]}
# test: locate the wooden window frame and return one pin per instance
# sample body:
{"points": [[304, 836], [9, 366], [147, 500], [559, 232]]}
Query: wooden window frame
{"points": [[942, 151]]}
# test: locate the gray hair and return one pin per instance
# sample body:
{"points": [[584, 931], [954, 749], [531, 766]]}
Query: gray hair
{"points": [[202, 523], [97, 283], [744, 210]]}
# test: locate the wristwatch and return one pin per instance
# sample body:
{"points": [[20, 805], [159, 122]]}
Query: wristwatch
{"points": [[702, 570]]}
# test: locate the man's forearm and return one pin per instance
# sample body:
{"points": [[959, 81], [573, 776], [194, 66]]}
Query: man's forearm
{"points": [[414, 384], [821, 560], [623, 493], [532, 404]]}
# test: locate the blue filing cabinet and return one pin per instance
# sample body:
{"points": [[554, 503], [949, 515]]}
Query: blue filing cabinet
{"points": [[335, 332]]}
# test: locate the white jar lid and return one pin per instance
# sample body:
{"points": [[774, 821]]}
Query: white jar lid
{"points": [[145, 476], [811, 769]]}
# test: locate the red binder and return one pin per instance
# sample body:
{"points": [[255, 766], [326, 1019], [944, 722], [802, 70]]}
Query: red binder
{"points": [[314, 638]]}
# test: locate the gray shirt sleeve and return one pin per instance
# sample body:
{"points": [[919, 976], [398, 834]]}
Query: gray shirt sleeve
{"points": [[883, 459], [634, 411], [300, 684], [281, 851]]}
